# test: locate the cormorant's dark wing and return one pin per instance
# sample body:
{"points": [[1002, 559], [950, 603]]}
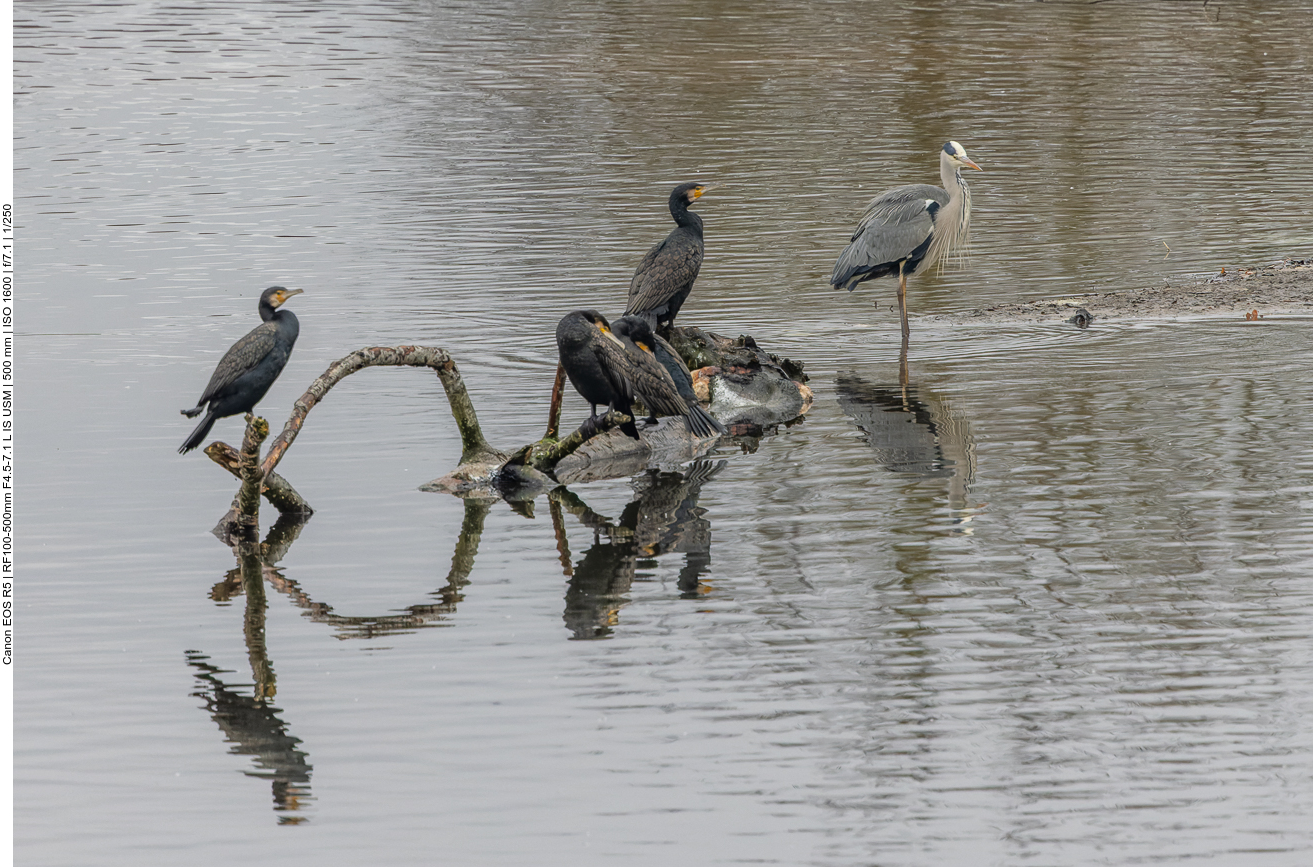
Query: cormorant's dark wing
{"points": [[241, 358], [644, 378], [666, 269], [894, 225]]}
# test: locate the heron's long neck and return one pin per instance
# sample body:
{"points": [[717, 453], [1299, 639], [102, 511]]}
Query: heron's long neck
{"points": [[953, 221]]}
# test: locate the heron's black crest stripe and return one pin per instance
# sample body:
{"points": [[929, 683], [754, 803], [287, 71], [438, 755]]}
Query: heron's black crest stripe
{"points": [[948, 149]]}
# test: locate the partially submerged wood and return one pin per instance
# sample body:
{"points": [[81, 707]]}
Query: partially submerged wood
{"points": [[476, 454], [741, 381], [744, 384], [277, 490], [478, 459], [242, 523]]}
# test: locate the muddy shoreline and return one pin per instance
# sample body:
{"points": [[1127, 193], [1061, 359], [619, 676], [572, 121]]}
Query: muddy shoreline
{"points": [[1281, 289]]}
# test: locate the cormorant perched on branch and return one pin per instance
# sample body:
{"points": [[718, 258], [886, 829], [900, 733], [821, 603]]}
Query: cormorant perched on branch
{"points": [[635, 330], [665, 277], [248, 368], [614, 371]]}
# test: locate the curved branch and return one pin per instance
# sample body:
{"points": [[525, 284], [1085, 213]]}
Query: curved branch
{"points": [[277, 490], [474, 448]]}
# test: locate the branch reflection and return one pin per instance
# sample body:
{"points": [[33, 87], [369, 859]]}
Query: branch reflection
{"points": [[253, 728], [411, 618], [662, 518]]}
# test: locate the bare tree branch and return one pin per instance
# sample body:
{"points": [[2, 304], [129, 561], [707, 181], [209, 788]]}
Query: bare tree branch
{"points": [[277, 490], [474, 448]]}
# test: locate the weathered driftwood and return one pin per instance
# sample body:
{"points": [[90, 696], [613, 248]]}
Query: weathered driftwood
{"points": [[277, 490], [475, 451], [478, 459], [744, 384], [242, 523]]}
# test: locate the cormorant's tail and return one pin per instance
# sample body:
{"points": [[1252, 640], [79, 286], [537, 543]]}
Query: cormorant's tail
{"points": [[194, 411], [702, 423], [198, 436]]}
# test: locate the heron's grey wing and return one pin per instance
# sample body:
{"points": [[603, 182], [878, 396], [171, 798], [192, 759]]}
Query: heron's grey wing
{"points": [[240, 358], [894, 225], [665, 270]]}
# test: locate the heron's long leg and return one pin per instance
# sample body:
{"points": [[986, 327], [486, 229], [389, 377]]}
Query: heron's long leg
{"points": [[902, 299]]}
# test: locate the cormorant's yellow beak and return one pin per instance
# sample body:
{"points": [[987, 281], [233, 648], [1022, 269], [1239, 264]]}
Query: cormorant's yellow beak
{"points": [[282, 296], [609, 336]]}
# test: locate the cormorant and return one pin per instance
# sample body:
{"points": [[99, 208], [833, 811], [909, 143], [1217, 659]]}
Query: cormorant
{"points": [[635, 330], [614, 371], [665, 277], [249, 367], [909, 227]]}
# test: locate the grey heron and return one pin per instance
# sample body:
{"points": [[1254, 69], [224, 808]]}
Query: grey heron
{"points": [[910, 227]]}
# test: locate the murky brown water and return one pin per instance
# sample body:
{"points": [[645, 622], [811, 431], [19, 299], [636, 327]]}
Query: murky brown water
{"points": [[1050, 604]]}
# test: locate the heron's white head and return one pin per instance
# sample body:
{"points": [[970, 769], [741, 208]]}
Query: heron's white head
{"points": [[957, 156]]}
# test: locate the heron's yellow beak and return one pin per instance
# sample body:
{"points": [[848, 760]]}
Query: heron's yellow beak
{"points": [[971, 165]]}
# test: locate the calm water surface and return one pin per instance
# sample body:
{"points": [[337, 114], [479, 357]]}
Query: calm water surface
{"points": [[1048, 604]]}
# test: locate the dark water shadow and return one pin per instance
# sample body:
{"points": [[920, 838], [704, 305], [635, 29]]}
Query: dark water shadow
{"points": [[254, 728], [663, 518]]}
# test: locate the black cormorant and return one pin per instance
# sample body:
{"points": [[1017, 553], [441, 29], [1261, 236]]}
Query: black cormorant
{"points": [[611, 370], [635, 330], [665, 276], [247, 369]]}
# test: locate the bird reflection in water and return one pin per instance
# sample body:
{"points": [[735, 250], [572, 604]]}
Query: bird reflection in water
{"points": [[663, 518], [253, 728], [913, 432]]}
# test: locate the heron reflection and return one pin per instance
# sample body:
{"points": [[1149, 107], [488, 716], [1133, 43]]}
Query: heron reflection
{"points": [[663, 518], [911, 431]]}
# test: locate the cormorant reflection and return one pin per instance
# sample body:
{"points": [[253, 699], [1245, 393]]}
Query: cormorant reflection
{"points": [[663, 518], [254, 729], [911, 431]]}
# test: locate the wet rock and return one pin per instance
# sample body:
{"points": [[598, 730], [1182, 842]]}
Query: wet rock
{"points": [[743, 383]]}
